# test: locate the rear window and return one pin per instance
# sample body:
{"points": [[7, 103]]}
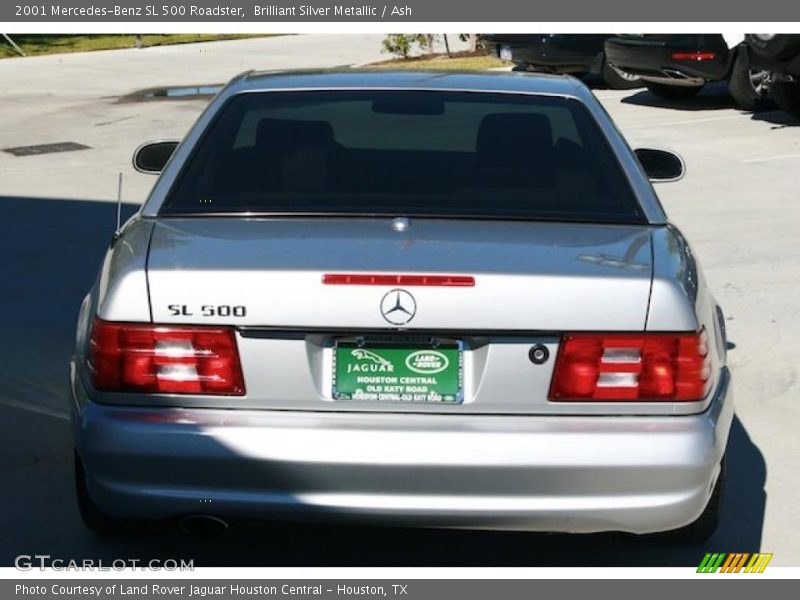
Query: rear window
{"points": [[413, 153]]}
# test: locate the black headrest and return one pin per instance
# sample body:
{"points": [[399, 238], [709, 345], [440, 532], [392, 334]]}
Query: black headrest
{"points": [[289, 135], [514, 139], [571, 154]]}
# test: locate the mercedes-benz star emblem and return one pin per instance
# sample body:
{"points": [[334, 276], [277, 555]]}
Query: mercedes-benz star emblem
{"points": [[398, 307]]}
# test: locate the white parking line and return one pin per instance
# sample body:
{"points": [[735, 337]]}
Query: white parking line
{"points": [[769, 158], [652, 125], [41, 410]]}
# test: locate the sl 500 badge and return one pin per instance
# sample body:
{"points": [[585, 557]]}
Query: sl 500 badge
{"points": [[207, 310]]}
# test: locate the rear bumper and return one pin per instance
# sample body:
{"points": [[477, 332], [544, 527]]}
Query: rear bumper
{"points": [[652, 61], [547, 54], [573, 474]]}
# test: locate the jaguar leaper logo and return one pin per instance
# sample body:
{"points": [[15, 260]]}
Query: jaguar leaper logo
{"points": [[374, 363], [427, 362]]}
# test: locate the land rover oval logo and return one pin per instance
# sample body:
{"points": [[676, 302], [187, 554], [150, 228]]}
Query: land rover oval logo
{"points": [[427, 362]]}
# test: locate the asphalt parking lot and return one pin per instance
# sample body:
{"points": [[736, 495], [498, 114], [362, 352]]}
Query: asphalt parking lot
{"points": [[738, 205]]}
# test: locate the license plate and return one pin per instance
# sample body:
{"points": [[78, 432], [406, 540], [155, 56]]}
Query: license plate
{"points": [[397, 373]]}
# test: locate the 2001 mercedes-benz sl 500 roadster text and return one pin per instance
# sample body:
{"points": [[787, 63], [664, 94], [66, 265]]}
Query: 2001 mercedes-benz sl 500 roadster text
{"points": [[412, 298]]}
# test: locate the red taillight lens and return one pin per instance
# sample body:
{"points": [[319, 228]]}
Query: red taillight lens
{"points": [[697, 56], [132, 357], [667, 367]]}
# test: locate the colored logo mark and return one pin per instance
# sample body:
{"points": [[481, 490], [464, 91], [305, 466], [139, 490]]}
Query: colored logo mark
{"points": [[737, 562]]}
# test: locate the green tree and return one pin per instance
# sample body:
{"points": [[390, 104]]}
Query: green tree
{"points": [[402, 44]]}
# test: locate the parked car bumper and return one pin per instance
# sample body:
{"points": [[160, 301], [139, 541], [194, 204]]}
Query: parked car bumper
{"points": [[637, 474], [546, 53], [652, 60]]}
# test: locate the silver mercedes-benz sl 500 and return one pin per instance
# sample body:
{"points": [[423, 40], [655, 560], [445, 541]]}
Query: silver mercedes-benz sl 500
{"points": [[429, 299]]}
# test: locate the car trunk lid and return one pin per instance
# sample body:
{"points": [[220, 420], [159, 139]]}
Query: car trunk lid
{"points": [[528, 276]]}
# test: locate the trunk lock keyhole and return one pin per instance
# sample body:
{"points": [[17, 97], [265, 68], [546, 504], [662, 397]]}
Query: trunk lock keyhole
{"points": [[538, 354]]}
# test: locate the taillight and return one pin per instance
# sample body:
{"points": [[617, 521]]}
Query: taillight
{"points": [[133, 357], [696, 56], [666, 367]]}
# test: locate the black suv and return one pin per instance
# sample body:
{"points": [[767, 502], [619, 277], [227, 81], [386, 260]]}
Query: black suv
{"points": [[676, 66], [572, 54]]}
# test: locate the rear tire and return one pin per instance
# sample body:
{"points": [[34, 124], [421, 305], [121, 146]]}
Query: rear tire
{"points": [[673, 92], [749, 88], [94, 518], [779, 46], [706, 524], [618, 81], [787, 96]]}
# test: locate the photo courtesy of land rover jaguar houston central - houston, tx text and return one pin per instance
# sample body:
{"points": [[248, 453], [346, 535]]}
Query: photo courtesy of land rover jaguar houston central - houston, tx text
{"points": [[426, 299]]}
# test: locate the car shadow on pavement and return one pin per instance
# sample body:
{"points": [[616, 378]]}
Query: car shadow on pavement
{"points": [[53, 249], [777, 118], [713, 96]]}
